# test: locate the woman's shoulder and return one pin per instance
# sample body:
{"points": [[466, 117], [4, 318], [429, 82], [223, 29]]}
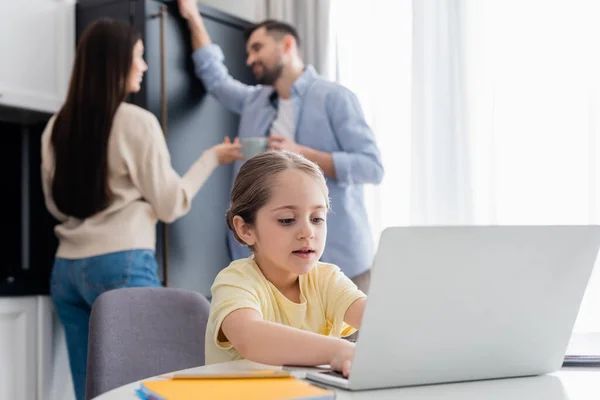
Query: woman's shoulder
{"points": [[132, 111], [136, 123]]}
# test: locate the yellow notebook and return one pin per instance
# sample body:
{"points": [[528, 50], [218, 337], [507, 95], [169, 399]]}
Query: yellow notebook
{"points": [[241, 388], [267, 373]]}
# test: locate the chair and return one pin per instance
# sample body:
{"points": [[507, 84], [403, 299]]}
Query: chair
{"points": [[136, 333]]}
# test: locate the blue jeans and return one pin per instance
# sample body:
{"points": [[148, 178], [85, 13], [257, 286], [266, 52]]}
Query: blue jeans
{"points": [[76, 283]]}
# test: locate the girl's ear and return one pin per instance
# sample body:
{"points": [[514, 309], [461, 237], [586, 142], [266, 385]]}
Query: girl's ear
{"points": [[244, 231]]}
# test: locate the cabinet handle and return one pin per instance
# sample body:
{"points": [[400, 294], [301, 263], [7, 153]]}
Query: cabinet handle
{"points": [[162, 14]]}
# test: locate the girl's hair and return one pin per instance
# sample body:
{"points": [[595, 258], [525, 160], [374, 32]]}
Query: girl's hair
{"points": [[252, 187], [82, 127]]}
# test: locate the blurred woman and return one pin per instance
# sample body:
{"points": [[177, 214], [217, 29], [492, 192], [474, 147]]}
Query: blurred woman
{"points": [[107, 178]]}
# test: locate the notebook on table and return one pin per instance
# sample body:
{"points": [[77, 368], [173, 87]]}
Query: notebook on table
{"points": [[263, 386]]}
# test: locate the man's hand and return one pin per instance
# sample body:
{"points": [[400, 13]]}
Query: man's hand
{"points": [[279, 142], [322, 159], [188, 9]]}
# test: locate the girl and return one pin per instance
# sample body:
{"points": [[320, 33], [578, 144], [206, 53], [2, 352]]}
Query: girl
{"points": [[282, 306], [107, 178]]}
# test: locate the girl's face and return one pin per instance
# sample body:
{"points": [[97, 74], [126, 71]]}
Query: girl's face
{"points": [[138, 67], [290, 230]]}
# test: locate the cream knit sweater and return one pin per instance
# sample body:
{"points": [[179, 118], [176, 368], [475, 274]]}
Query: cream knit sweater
{"points": [[144, 185]]}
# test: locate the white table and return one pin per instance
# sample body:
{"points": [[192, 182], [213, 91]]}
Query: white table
{"points": [[574, 383]]}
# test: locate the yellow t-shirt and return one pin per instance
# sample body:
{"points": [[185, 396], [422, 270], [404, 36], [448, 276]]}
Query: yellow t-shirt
{"points": [[325, 295]]}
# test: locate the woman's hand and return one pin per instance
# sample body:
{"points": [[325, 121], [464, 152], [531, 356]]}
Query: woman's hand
{"points": [[227, 152]]}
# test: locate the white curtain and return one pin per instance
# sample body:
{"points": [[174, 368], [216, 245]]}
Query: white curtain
{"points": [[532, 91], [486, 111], [312, 20], [373, 48], [440, 191]]}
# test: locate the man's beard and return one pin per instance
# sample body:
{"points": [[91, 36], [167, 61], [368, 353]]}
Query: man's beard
{"points": [[269, 76]]}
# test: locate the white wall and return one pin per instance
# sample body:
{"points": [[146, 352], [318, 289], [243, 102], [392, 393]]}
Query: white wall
{"points": [[251, 10]]}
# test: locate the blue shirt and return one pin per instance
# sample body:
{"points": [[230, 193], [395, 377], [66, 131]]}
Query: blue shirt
{"points": [[328, 118]]}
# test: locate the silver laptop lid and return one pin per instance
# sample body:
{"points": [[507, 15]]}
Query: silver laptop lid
{"points": [[463, 303]]}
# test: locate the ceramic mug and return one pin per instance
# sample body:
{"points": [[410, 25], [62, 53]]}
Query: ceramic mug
{"points": [[253, 146]]}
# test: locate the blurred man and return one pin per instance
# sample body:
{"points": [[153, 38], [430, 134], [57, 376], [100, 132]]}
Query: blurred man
{"points": [[299, 111]]}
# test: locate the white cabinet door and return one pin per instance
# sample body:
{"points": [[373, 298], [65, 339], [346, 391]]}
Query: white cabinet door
{"points": [[18, 347], [37, 44]]}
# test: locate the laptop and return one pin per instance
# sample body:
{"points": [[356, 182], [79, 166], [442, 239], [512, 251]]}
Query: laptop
{"points": [[583, 350], [451, 304]]}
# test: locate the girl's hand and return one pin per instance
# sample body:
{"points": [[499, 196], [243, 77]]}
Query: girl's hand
{"points": [[342, 357]]}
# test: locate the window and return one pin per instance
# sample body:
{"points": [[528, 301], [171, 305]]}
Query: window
{"points": [[523, 93]]}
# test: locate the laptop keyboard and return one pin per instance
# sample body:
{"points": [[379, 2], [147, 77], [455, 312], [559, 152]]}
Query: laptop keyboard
{"points": [[334, 373]]}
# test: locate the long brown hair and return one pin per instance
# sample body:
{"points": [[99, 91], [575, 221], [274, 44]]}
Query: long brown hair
{"points": [[82, 127], [252, 187]]}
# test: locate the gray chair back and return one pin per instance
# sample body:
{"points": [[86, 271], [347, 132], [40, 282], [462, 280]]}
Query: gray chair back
{"points": [[137, 333]]}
